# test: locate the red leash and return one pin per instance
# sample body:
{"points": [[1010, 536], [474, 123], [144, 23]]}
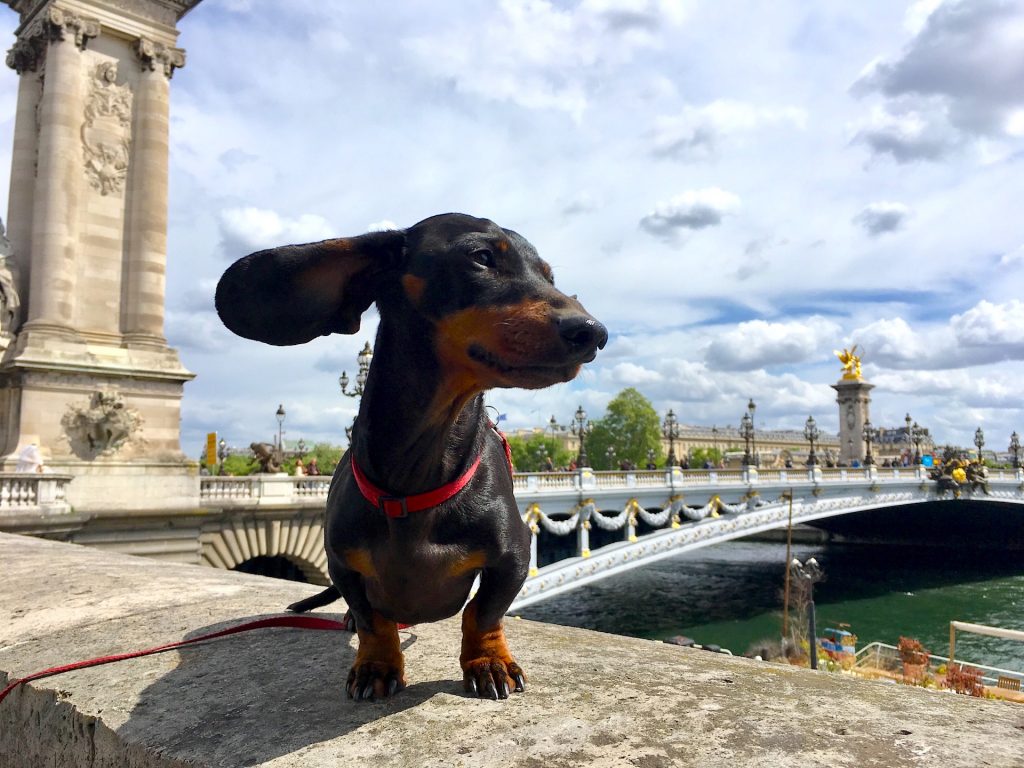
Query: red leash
{"points": [[301, 622]]}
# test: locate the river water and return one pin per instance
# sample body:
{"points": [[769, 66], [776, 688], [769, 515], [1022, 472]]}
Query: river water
{"points": [[730, 594]]}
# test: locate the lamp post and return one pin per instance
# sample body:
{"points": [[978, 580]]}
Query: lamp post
{"points": [[1015, 449], [753, 434], [916, 435], [910, 441], [580, 428], [610, 453], [714, 441], [747, 433], [670, 429], [222, 453], [979, 440], [811, 434], [810, 573], [554, 426], [280, 433], [363, 360], [301, 445], [869, 435]]}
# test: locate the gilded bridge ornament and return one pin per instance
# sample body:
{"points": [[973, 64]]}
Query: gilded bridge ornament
{"points": [[851, 363]]}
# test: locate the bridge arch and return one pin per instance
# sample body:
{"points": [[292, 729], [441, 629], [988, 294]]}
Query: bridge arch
{"points": [[299, 539]]}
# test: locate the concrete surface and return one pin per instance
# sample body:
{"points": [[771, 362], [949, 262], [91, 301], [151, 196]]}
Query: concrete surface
{"points": [[275, 697]]}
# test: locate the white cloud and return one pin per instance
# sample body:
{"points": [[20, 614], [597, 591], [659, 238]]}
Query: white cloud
{"points": [[964, 56], [1012, 258], [697, 132], [760, 344], [252, 229], [881, 217], [384, 225], [908, 133], [539, 55], [691, 210]]}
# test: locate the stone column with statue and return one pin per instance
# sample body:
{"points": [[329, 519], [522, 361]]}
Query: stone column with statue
{"points": [[853, 395], [85, 370]]}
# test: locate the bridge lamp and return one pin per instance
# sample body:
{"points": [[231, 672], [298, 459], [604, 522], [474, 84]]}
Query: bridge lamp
{"points": [[811, 434], [1015, 449], [810, 573], [753, 437], [910, 440], [869, 435], [747, 433], [916, 436], [979, 440], [280, 425], [301, 445], [363, 360], [670, 429], [580, 428], [610, 453], [222, 453]]}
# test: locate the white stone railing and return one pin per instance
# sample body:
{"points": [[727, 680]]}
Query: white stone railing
{"points": [[263, 490], [23, 493]]}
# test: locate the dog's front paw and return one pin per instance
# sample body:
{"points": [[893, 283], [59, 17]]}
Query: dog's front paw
{"points": [[374, 680], [491, 677]]}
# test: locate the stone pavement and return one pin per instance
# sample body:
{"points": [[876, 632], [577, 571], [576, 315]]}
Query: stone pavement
{"points": [[275, 698]]}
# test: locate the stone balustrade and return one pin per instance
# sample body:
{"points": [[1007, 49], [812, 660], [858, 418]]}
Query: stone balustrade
{"points": [[33, 493]]}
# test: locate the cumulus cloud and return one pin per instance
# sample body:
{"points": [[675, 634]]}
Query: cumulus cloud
{"points": [[878, 218], [250, 229], [986, 333], [542, 56], [760, 344], [966, 58], [691, 210], [697, 132], [384, 225], [907, 133]]}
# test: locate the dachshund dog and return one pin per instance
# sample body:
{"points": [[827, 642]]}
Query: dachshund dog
{"points": [[422, 503]]}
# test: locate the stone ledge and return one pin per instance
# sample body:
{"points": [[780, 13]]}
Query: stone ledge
{"points": [[275, 698]]}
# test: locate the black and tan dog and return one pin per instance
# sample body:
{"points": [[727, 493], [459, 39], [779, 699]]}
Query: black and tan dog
{"points": [[422, 502]]}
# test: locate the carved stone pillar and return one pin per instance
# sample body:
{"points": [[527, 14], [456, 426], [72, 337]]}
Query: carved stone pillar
{"points": [[55, 231], [146, 247]]}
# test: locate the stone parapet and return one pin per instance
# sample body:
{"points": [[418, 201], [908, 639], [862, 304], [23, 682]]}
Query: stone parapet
{"points": [[275, 697]]}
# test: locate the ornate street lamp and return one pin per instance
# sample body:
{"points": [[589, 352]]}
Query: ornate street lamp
{"points": [[747, 433], [670, 429], [363, 359], [301, 445], [870, 434], [610, 453], [916, 436], [1015, 449], [553, 423], [753, 436], [910, 439], [979, 440], [280, 433], [580, 428], [810, 573], [811, 434], [222, 453]]}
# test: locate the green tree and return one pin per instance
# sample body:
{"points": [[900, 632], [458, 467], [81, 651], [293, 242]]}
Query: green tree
{"points": [[528, 453], [630, 427]]}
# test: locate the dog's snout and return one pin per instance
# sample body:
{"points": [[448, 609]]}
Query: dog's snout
{"points": [[582, 333]]}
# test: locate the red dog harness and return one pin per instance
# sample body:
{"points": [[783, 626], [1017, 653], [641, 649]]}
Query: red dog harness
{"points": [[401, 506]]}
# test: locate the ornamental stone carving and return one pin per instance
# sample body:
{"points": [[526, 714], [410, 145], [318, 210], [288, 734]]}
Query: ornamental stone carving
{"points": [[106, 132], [103, 428], [54, 25], [9, 301], [153, 55]]}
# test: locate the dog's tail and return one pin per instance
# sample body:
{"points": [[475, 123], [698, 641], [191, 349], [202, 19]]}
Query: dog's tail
{"points": [[326, 597]]}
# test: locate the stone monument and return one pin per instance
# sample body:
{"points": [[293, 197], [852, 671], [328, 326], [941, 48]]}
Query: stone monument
{"points": [[854, 398], [85, 370]]}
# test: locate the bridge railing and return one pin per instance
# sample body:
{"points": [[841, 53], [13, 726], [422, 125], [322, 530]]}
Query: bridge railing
{"points": [[260, 490], [33, 493]]}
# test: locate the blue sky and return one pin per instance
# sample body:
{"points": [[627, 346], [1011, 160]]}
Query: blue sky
{"points": [[734, 188]]}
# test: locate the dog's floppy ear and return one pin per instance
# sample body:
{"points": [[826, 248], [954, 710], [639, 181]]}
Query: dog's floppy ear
{"points": [[293, 294]]}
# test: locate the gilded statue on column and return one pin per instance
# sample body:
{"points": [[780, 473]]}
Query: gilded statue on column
{"points": [[851, 363]]}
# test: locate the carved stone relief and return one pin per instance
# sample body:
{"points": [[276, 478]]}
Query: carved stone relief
{"points": [[102, 428], [106, 132], [9, 301], [54, 25]]}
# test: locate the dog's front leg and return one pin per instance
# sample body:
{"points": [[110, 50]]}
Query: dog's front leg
{"points": [[488, 668], [379, 668]]}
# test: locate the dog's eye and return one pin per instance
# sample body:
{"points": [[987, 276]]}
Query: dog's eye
{"points": [[483, 257]]}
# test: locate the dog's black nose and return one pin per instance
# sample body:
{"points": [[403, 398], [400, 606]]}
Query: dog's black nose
{"points": [[580, 333]]}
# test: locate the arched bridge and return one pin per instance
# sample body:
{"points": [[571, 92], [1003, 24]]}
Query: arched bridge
{"points": [[642, 516], [683, 511]]}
